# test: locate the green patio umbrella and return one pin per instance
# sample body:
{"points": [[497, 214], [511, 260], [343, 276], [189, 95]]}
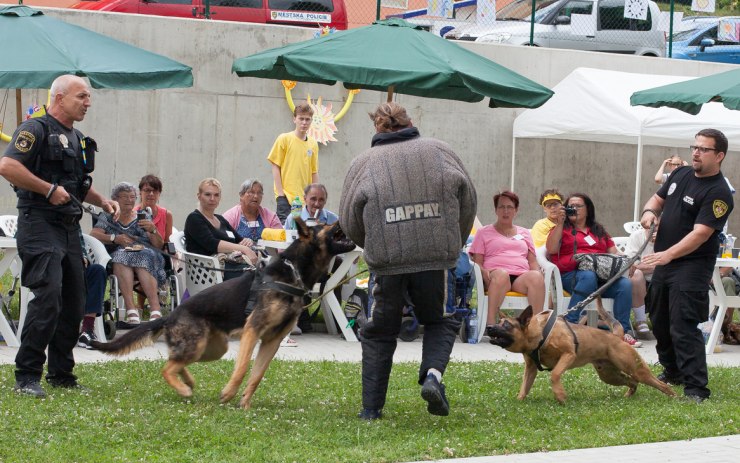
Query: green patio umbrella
{"points": [[396, 56], [38, 48], [690, 95]]}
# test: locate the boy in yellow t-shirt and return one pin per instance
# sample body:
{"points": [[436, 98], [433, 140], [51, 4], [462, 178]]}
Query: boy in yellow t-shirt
{"points": [[295, 161]]}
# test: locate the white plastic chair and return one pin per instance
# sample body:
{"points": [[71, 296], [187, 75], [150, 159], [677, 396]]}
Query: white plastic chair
{"points": [[631, 227], [621, 243], [9, 224], [197, 278], [97, 254]]}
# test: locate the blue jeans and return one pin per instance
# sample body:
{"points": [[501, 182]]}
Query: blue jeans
{"points": [[586, 283], [95, 279]]}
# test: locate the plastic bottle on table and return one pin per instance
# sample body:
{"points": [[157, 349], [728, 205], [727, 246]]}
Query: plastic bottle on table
{"points": [[473, 327], [295, 211]]}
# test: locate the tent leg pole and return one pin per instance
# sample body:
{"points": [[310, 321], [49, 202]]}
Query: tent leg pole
{"points": [[513, 163], [638, 175], [390, 93]]}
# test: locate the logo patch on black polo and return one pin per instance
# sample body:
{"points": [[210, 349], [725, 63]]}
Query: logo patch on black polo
{"points": [[24, 141], [719, 207]]}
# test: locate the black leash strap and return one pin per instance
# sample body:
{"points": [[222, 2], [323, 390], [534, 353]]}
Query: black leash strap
{"points": [[599, 291], [535, 354]]}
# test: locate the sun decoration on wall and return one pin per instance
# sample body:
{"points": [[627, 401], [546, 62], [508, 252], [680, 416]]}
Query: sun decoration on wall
{"points": [[323, 125]]}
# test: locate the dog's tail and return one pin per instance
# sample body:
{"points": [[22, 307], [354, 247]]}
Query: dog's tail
{"points": [[615, 326], [143, 335]]}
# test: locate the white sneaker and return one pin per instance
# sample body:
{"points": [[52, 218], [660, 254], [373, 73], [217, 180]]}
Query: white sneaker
{"points": [[642, 327], [287, 342]]}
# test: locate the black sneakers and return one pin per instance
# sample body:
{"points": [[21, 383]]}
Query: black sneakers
{"points": [[86, 337], [67, 384], [670, 379], [695, 398], [370, 414], [434, 394], [30, 387]]}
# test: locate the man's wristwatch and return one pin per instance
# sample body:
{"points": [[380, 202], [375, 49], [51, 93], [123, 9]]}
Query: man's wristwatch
{"points": [[112, 237]]}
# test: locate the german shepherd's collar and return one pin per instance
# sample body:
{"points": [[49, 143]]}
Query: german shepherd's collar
{"points": [[264, 282]]}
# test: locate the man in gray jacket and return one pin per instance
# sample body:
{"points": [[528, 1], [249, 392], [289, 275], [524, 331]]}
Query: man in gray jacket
{"points": [[409, 202]]}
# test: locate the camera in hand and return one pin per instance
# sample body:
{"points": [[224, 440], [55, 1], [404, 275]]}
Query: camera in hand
{"points": [[141, 215], [570, 211]]}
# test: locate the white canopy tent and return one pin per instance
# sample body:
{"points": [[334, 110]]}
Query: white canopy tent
{"points": [[594, 105]]}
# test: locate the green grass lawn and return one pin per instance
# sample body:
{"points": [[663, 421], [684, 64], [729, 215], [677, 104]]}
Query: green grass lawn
{"points": [[306, 412]]}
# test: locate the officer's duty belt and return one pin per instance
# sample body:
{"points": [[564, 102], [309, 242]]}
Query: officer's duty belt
{"points": [[55, 216]]}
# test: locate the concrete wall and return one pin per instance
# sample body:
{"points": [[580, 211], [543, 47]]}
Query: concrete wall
{"points": [[225, 125]]}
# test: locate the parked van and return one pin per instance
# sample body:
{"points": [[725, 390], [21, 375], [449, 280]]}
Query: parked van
{"points": [[308, 13]]}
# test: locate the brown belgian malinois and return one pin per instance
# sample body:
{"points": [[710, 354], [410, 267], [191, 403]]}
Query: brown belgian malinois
{"points": [[264, 305], [570, 346]]}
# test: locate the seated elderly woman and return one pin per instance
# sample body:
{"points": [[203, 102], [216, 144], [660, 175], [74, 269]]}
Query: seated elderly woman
{"points": [[209, 233], [136, 252], [589, 237], [506, 256], [248, 217], [551, 200]]}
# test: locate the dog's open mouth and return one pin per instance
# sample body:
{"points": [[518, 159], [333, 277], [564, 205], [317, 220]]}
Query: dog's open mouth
{"points": [[341, 241], [498, 337]]}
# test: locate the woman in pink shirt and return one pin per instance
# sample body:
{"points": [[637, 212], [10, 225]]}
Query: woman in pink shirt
{"points": [[506, 256]]}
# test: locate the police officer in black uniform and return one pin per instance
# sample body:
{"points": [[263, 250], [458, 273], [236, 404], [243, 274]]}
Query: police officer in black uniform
{"points": [[695, 203], [47, 162]]}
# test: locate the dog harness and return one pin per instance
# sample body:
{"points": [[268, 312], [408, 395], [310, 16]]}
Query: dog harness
{"points": [[535, 354], [264, 282]]}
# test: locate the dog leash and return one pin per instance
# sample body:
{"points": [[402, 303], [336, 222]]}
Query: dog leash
{"points": [[614, 278], [535, 354], [100, 217]]}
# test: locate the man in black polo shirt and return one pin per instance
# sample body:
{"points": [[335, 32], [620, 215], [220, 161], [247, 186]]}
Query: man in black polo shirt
{"points": [[48, 161], [695, 202]]}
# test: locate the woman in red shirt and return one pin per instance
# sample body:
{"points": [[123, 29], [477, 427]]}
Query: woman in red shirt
{"points": [[589, 237]]}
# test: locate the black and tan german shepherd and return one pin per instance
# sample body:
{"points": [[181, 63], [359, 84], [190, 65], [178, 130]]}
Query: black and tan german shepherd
{"points": [[199, 329]]}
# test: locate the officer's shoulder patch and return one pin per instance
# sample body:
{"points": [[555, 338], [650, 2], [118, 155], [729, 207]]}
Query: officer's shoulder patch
{"points": [[24, 141], [719, 207]]}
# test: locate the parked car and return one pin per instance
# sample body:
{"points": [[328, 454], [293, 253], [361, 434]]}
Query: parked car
{"points": [[610, 31], [308, 13], [697, 39]]}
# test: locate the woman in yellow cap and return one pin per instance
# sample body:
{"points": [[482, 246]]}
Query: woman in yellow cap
{"points": [[550, 200]]}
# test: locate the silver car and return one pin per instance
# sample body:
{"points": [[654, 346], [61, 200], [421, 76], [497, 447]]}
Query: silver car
{"points": [[600, 26]]}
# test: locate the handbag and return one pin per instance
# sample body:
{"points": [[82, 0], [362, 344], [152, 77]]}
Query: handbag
{"points": [[604, 265]]}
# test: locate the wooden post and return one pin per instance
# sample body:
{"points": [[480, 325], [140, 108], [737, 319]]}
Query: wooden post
{"points": [[18, 107], [390, 93]]}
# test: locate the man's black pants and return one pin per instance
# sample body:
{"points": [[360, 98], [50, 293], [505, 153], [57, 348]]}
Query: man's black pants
{"points": [[675, 314], [53, 270], [427, 292]]}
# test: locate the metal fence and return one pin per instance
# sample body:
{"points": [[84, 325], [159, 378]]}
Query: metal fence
{"points": [[640, 27]]}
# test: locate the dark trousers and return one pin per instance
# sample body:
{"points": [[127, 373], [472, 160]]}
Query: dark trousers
{"points": [[282, 209], [675, 315], [426, 291], [96, 279], [53, 270]]}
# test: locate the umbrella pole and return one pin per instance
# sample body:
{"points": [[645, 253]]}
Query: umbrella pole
{"points": [[390, 93], [18, 107]]}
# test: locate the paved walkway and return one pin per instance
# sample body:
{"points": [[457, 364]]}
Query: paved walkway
{"points": [[322, 346]]}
